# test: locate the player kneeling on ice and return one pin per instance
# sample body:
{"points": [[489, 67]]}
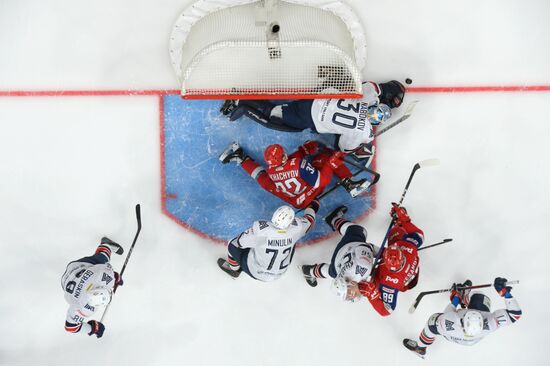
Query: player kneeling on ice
{"points": [[400, 265], [88, 284], [399, 271], [472, 322], [350, 119], [299, 177], [351, 262], [265, 250]]}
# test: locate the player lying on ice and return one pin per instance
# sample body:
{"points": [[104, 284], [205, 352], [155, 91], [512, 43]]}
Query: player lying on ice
{"points": [[472, 322], [266, 250], [352, 261], [299, 177], [350, 119], [88, 284]]}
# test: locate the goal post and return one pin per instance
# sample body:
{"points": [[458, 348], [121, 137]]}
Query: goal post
{"points": [[268, 49]]}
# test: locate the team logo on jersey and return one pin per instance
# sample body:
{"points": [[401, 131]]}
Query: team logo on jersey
{"points": [[220, 201], [263, 224], [70, 287], [106, 278], [449, 325], [361, 271]]}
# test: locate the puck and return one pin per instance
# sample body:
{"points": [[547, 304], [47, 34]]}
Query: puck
{"points": [[275, 28], [408, 81]]}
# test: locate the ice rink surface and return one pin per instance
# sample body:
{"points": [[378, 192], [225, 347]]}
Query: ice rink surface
{"points": [[73, 168]]}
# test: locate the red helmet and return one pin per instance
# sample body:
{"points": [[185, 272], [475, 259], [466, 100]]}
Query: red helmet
{"points": [[394, 259], [275, 155]]}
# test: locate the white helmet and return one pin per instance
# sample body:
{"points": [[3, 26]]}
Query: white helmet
{"points": [[472, 323], [283, 217], [341, 287], [98, 296]]}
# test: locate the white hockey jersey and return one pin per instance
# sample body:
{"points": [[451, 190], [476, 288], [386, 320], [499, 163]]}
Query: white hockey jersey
{"points": [[272, 249], [77, 279], [449, 323], [346, 117], [353, 261]]}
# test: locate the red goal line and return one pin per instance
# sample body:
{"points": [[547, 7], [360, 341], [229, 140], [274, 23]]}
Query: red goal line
{"points": [[162, 92]]}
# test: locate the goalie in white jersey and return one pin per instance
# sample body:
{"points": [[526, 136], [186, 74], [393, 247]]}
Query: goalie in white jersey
{"points": [[350, 119], [88, 284], [472, 323], [266, 250], [351, 261]]}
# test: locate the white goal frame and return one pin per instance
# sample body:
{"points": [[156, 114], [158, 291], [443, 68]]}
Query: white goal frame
{"points": [[210, 70]]}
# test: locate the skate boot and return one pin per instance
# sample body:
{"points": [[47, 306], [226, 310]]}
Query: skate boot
{"points": [[336, 214], [222, 263], [355, 188], [233, 153], [115, 247], [228, 107], [414, 347], [310, 279]]}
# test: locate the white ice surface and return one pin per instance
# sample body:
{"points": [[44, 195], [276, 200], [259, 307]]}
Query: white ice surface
{"points": [[72, 168]]}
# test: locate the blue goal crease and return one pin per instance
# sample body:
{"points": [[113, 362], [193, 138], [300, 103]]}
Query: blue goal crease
{"points": [[222, 200]]}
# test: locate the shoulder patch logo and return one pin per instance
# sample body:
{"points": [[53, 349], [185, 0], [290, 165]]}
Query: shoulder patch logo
{"points": [[449, 325], [106, 278]]}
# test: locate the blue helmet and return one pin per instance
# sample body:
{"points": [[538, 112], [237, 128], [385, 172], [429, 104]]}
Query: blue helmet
{"points": [[378, 113]]}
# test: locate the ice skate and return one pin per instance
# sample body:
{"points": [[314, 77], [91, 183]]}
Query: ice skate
{"points": [[222, 263], [310, 279], [337, 213], [414, 347], [115, 247], [355, 188], [233, 153]]}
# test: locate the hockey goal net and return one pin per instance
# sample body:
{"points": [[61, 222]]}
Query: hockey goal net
{"points": [[269, 49]]}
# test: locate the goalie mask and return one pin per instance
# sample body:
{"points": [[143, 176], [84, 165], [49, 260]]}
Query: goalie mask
{"points": [[378, 113], [283, 217], [275, 155]]}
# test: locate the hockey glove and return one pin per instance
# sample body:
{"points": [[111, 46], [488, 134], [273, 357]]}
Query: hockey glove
{"points": [[310, 147], [118, 281], [369, 290], [399, 214], [97, 328], [335, 160], [460, 296], [501, 288], [392, 93]]}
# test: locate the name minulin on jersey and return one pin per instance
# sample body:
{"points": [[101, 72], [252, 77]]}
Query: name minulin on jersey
{"points": [[279, 242]]}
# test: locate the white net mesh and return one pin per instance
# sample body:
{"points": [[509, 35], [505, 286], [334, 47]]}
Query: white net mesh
{"points": [[254, 49]]}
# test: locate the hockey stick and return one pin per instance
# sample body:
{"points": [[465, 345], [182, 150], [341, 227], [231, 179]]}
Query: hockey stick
{"points": [[376, 175], [138, 219], [436, 244], [422, 294], [420, 164], [402, 119]]}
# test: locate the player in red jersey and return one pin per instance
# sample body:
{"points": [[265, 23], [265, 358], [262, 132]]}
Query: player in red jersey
{"points": [[400, 264], [299, 177]]}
